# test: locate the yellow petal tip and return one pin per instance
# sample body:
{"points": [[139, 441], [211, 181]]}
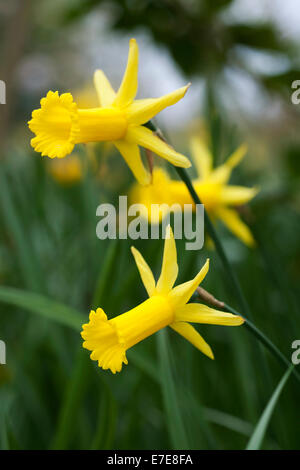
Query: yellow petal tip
{"points": [[184, 162], [211, 356]]}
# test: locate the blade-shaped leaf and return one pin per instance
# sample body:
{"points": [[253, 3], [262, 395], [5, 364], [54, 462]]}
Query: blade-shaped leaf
{"points": [[42, 306], [258, 435]]}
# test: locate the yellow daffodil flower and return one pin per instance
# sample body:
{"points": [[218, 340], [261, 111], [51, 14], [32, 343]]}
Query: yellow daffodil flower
{"points": [[67, 171], [219, 198], [167, 306], [58, 125]]}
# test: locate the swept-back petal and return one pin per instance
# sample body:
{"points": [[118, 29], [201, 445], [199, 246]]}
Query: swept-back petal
{"points": [[142, 136], [105, 92], [129, 85], [192, 335], [202, 157], [199, 313], [141, 111], [237, 195], [145, 271], [223, 172], [169, 270], [181, 294], [132, 156], [233, 221]]}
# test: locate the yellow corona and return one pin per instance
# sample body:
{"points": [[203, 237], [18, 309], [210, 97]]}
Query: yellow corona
{"points": [[59, 124], [166, 306]]}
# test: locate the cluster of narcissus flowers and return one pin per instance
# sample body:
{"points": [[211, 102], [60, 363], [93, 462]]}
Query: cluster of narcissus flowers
{"points": [[166, 306], [219, 198], [58, 124]]}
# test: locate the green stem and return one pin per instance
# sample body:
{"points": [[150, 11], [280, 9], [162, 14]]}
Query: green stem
{"points": [[219, 247], [75, 391], [106, 423], [213, 234], [264, 340], [174, 420]]}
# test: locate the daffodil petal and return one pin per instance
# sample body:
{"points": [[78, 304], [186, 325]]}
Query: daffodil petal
{"points": [[142, 136], [223, 172], [199, 313], [141, 111], [105, 92], [129, 85], [233, 221], [169, 270], [132, 156], [144, 270], [236, 157], [192, 335], [181, 294], [202, 157], [237, 195]]}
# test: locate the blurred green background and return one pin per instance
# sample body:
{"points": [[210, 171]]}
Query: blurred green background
{"points": [[241, 57]]}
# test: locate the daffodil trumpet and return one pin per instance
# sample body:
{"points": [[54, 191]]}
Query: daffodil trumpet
{"points": [[59, 124], [166, 306]]}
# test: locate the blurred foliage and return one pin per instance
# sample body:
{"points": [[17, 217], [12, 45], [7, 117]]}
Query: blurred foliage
{"points": [[195, 32]]}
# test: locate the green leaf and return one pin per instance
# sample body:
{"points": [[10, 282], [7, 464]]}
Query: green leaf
{"points": [[107, 420], [6, 400], [71, 403], [263, 340], [228, 421], [172, 405], [42, 306], [77, 385], [106, 274], [258, 435], [26, 257]]}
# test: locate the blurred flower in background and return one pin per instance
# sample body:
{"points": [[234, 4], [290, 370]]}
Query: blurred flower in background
{"points": [[211, 185], [66, 171]]}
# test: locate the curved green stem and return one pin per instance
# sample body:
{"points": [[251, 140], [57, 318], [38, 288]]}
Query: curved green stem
{"points": [[234, 281], [212, 232], [264, 340], [219, 247]]}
